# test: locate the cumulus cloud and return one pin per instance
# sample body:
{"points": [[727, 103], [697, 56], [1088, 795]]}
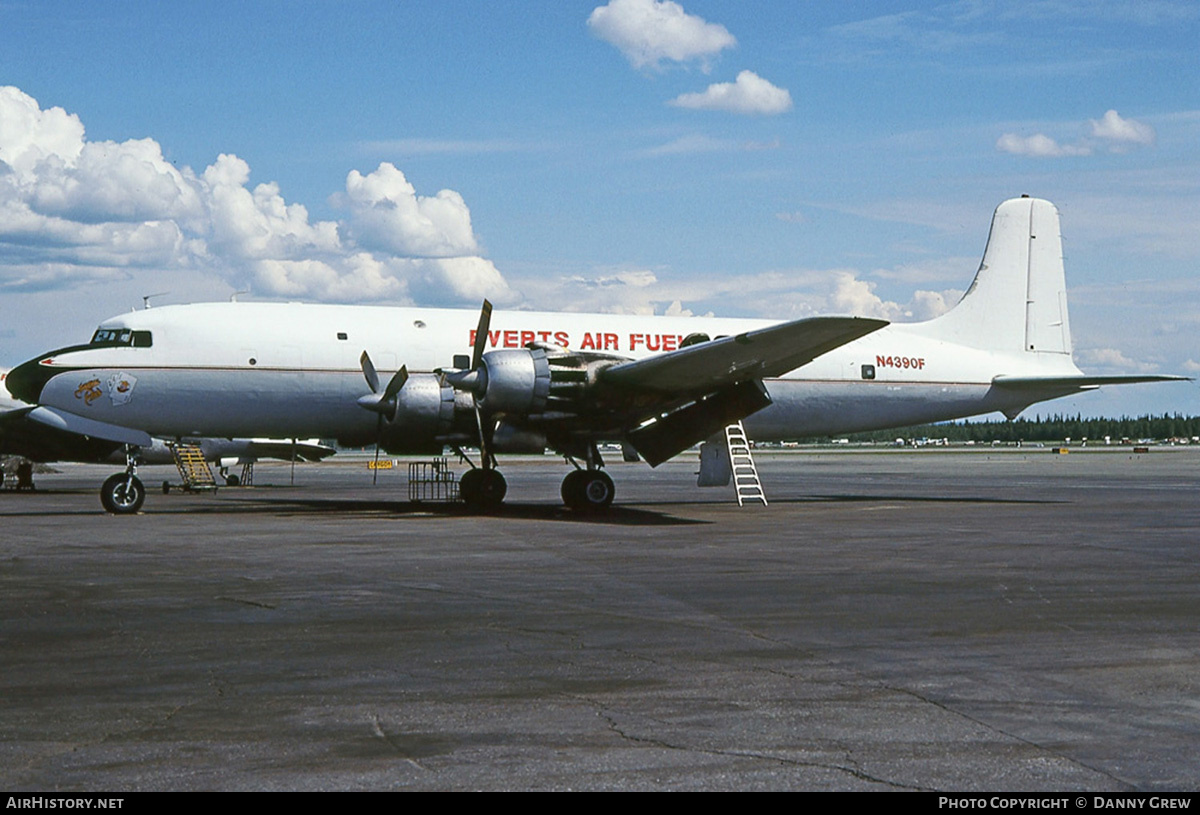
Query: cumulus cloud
{"points": [[1110, 133], [852, 295], [388, 215], [258, 224], [1122, 132], [74, 211], [775, 295], [650, 31], [635, 278], [28, 134], [750, 94], [1112, 359]]}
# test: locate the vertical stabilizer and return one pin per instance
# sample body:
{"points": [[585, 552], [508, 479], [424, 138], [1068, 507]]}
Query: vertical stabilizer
{"points": [[1018, 300]]}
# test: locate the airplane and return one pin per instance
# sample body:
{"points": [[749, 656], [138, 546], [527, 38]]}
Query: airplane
{"points": [[655, 384], [35, 441]]}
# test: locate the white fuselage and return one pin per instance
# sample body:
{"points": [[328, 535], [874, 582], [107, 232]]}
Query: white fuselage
{"points": [[292, 370]]}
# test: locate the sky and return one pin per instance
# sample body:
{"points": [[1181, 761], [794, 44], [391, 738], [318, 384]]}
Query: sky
{"points": [[757, 159]]}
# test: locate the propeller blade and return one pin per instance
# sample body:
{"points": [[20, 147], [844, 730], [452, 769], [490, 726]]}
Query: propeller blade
{"points": [[378, 434], [396, 383], [382, 403], [481, 334], [368, 370]]}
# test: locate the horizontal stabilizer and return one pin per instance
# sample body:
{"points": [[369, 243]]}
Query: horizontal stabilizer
{"points": [[61, 420], [1080, 382], [763, 353]]}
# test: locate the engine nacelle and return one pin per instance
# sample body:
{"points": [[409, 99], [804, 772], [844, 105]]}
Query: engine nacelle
{"points": [[516, 381], [424, 412], [511, 439]]}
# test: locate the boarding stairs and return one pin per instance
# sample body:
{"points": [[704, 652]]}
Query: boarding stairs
{"points": [[193, 469], [745, 475]]}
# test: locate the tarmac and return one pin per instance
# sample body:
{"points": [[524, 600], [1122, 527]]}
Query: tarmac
{"points": [[1000, 619]]}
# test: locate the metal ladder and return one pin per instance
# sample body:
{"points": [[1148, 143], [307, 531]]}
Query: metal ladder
{"points": [[193, 469], [745, 474], [431, 481]]}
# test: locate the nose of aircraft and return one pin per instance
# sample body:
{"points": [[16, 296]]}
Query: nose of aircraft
{"points": [[25, 381]]}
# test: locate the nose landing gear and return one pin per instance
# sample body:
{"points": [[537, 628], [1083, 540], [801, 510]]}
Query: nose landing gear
{"points": [[123, 493]]}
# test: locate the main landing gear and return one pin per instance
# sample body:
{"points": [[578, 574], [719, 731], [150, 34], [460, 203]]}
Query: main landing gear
{"points": [[482, 489], [588, 490], [123, 493]]}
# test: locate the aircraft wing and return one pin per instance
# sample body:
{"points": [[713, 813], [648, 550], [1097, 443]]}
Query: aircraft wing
{"points": [[284, 449], [74, 423], [758, 354], [21, 436], [699, 389]]}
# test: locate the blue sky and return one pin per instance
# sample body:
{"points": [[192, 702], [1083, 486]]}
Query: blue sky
{"points": [[758, 159]]}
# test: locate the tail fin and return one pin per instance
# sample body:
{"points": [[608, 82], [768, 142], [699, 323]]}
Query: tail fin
{"points": [[1018, 300]]}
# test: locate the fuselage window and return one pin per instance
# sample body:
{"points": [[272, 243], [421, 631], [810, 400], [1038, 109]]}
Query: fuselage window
{"points": [[868, 372], [142, 339], [342, 335]]}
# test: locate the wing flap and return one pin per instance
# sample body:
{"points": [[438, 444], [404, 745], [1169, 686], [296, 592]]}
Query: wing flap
{"points": [[759, 354]]}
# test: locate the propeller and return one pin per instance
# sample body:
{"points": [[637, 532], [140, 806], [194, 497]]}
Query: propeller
{"points": [[383, 404], [474, 379]]}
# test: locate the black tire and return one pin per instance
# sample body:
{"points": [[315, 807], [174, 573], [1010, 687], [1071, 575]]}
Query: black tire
{"points": [[166, 488], [482, 490], [572, 488], [588, 490], [122, 494], [232, 480]]}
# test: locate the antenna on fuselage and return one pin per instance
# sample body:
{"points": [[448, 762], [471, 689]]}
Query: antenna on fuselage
{"points": [[146, 298]]}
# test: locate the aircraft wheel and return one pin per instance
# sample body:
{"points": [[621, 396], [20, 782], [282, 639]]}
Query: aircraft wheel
{"points": [[482, 490], [166, 488], [122, 494], [588, 490], [232, 481], [572, 488]]}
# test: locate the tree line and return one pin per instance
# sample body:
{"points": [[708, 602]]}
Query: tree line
{"points": [[1055, 428]]}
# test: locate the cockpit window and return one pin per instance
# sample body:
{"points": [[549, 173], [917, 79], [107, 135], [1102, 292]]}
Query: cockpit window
{"points": [[112, 336], [122, 336]]}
